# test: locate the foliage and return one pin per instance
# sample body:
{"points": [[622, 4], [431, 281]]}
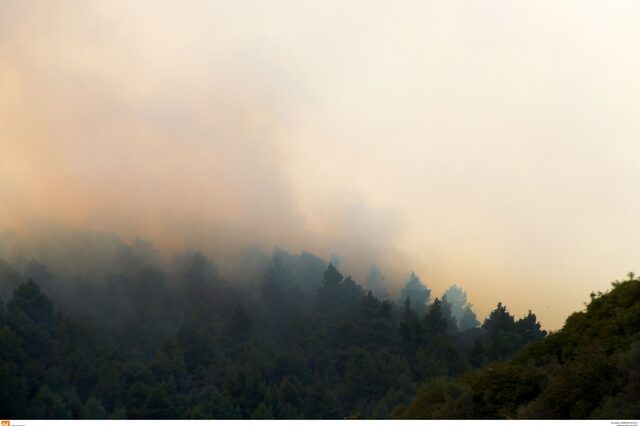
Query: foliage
{"points": [[460, 308], [294, 338], [417, 292], [588, 369]]}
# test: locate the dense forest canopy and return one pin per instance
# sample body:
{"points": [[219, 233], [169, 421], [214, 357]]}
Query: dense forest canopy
{"points": [[588, 369], [431, 172], [289, 336]]}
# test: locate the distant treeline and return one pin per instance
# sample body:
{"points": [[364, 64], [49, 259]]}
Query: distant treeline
{"points": [[289, 336]]}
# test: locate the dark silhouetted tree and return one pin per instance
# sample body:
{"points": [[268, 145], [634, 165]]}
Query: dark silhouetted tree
{"points": [[28, 299], [529, 328], [419, 294], [460, 308], [436, 321]]}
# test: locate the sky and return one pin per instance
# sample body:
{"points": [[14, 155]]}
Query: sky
{"points": [[492, 144]]}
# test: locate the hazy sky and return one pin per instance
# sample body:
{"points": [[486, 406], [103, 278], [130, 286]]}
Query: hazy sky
{"points": [[491, 144]]}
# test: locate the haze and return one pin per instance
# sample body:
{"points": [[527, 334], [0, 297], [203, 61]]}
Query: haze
{"points": [[492, 144]]}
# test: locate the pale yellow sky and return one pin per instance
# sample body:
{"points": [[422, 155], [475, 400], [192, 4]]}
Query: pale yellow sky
{"points": [[489, 144]]}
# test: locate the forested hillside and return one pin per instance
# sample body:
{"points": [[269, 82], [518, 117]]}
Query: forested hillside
{"points": [[134, 337], [588, 369]]}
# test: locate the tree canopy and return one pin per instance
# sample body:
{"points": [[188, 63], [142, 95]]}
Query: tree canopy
{"points": [[304, 341]]}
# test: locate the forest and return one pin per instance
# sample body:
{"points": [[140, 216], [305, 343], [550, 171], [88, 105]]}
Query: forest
{"points": [[112, 331]]}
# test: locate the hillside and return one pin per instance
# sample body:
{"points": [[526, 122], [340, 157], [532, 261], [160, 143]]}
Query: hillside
{"points": [[149, 340], [588, 369]]}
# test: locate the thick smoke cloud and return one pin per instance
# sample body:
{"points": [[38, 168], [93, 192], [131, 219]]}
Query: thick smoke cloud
{"points": [[141, 121], [489, 146]]}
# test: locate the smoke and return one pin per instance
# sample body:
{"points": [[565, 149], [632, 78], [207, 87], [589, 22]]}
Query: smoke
{"points": [[158, 121], [489, 146]]}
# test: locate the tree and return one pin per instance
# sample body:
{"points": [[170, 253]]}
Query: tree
{"points": [[419, 294], [436, 321], [332, 278], [529, 329], [411, 329], [30, 314], [452, 323], [460, 308], [499, 320], [338, 297], [500, 327], [35, 305], [469, 319]]}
